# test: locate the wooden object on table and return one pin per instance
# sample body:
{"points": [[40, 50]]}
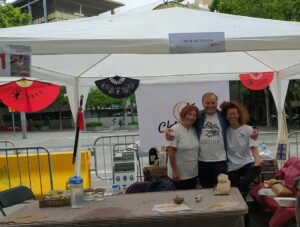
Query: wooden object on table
{"points": [[152, 173], [268, 169], [54, 202]]}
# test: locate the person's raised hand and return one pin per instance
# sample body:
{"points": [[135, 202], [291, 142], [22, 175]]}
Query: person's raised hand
{"points": [[169, 134], [254, 134]]}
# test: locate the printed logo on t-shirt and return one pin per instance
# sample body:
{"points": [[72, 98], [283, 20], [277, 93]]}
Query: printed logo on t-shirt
{"points": [[211, 129], [210, 133]]}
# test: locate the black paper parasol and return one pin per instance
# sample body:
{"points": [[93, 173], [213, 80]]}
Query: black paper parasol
{"points": [[118, 87]]}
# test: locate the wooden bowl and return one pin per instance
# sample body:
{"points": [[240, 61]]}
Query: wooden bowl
{"points": [[178, 200]]}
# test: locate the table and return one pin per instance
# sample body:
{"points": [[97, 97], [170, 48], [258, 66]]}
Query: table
{"points": [[136, 210]]}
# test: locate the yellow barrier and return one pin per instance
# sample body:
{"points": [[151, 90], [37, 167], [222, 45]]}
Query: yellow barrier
{"points": [[62, 170]]}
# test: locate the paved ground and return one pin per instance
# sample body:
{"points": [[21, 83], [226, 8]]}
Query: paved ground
{"points": [[58, 140], [64, 140]]}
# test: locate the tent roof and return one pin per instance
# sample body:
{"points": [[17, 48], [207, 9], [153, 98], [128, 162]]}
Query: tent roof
{"points": [[147, 32]]}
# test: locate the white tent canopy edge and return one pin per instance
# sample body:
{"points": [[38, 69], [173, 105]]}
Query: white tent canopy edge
{"points": [[148, 34]]}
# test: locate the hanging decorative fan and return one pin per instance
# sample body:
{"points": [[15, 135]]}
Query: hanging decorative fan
{"points": [[118, 87]]}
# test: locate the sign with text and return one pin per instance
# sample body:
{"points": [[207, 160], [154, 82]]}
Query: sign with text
{"points": [[159, 106], [197, 42], [15, 61]]}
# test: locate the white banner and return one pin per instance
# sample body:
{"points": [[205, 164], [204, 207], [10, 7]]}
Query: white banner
{"points": [[15, 61], [158, 103], [197, 42]]}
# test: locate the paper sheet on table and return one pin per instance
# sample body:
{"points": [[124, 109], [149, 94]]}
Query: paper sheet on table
{"points": [[266, 191], [170, 207]]}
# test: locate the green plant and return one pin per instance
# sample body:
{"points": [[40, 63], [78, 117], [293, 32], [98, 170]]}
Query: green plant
{"points": [[39, 124], [133, 123], [94, 124]]}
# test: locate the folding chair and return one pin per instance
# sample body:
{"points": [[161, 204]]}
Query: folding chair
{"points": [[14, 196]]}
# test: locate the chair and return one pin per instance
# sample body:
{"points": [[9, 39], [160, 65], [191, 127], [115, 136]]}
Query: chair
{"points": [[14, 196]]}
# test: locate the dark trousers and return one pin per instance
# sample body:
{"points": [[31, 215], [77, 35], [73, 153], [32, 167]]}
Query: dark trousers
{"points": [[186, 184], [208, 172], [244, 176]]}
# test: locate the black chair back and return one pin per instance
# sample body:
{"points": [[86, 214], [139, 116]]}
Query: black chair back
{"points": [[14, 196]]}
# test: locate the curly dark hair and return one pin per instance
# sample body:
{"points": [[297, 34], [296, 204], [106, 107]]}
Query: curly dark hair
{"points": [[187, 109], [243, 113]]}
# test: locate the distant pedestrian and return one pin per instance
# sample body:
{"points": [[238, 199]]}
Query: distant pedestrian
{"points": [[29, 124], [114, 121], [120, 122], [123, 121]]}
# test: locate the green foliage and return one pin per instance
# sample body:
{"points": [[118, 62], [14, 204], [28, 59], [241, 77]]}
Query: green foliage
{"points": [[61, 100], [39, 124], [11, 16], [273, 9], [294, 90], [133, 123], [94, 124], [97, 98]]}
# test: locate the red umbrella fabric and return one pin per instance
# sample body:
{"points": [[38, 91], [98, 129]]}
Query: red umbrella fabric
{"points": [[28, 95]]}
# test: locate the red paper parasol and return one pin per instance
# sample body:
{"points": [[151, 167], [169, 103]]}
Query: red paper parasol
{"points": [[28, 95], [257, 81]]}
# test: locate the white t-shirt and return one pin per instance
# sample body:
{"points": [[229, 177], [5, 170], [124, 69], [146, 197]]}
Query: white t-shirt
{"points": [[211, 140], [187, 148], [239, 147]]}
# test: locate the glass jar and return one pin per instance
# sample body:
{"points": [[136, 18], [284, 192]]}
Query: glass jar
{"points": [[76, 189], [115, 189]]}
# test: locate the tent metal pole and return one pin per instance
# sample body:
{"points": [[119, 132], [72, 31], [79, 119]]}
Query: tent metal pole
{"points": [[45, 11]]}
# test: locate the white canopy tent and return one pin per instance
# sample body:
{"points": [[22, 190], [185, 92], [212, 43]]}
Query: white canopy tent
{"points": [[75, 53]]}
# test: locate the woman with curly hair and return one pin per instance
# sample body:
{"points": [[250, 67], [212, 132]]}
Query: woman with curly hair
{"points": [[242, 153]]}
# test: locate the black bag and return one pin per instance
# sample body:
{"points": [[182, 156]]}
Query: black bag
{"points": [[162, 185]]}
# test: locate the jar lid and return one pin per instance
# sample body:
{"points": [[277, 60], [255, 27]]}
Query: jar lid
{"points": [[115, 186], [75, 180]]}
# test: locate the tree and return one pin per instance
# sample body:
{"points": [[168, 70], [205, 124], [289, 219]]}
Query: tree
{"points": [[272, 9], [60, 102], [12, 16], [97, 100]]}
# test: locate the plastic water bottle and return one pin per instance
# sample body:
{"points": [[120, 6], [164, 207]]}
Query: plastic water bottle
{"points": [[263, 148], [76, 188]]}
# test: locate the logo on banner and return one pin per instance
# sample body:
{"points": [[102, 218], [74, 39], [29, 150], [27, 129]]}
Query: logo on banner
{"points": [[257, 81], [176, 113], [15, 61], [197, 42]]}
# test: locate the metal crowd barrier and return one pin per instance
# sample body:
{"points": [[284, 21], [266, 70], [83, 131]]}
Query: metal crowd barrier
{"points": [[294, 140], [28, 166], [102, 151], [7, 143]]}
